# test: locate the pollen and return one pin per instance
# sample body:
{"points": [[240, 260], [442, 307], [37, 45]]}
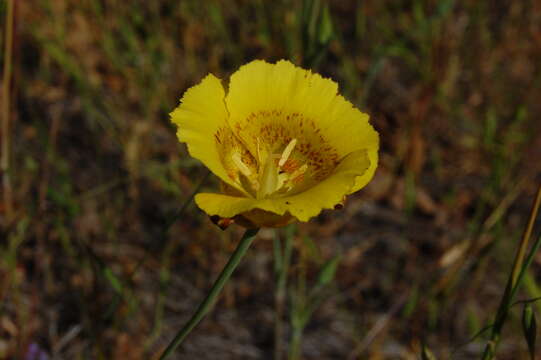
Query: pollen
{"points": [[290, 166], [299, 173]]}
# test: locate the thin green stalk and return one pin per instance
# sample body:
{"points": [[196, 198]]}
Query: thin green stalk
{"points": [[299, 304], [295, 350], [529, 260], [207, 303], [4, 161], [515, 279], [526, 237], [282, 261]]}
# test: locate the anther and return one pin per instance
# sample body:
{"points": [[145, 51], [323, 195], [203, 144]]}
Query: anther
{"points": [[258, 152], [287, 151], [237, 160]]}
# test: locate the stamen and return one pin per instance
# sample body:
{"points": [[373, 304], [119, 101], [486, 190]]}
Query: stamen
{"points": [[287, 151], [268, 179], [294, 178], [237, 160], [282, 178], [258, 152]]}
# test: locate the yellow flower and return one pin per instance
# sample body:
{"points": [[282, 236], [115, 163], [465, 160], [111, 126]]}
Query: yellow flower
{"points": [[283, 142]]}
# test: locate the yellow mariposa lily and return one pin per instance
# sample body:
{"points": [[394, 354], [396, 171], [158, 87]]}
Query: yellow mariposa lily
{"points": [[282, 140]]}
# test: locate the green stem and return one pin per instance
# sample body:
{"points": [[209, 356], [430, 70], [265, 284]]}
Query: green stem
{"points": [[514, 280], [295, 350], [207, 303], [283, 261]]}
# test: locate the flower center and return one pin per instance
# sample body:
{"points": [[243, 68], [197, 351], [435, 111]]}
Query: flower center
{"points": [[276, 173]]}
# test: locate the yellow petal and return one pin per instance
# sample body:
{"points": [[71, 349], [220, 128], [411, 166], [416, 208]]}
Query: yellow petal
{"points": [[348, 129], [372, 153], [200, 116], [224, 205], [284, 87], [324, 195], [296, 104]]}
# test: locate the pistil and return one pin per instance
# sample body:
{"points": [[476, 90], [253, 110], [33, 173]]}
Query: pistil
{"points": [[276, 172]]}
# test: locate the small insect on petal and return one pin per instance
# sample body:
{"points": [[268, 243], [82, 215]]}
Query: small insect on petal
{"points": [[222, 223]]}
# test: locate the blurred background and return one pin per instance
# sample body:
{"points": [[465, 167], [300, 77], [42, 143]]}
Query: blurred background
{"points": [[103, 255]]}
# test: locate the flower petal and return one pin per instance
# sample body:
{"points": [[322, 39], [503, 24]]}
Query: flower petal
{"points": [[372, 153], [199, 117], [324, 195], [331, 125], [284, 87], [225, 206]]}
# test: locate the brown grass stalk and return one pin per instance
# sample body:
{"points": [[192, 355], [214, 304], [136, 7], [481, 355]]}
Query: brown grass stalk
{"points": [[4, 161]]}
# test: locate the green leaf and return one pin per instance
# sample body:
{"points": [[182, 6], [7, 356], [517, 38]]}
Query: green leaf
{"points": [[326, 275], [325, 28], [427, 354], [411, 304], [311, 248], [529, 326], [116, 284]]}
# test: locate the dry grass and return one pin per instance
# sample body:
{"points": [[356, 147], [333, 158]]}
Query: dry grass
{"points": [[88, 269]]}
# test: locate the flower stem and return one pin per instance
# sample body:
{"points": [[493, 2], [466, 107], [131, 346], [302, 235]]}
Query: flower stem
{"points": [[295, 349], [282, 262], [207, 303]]}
